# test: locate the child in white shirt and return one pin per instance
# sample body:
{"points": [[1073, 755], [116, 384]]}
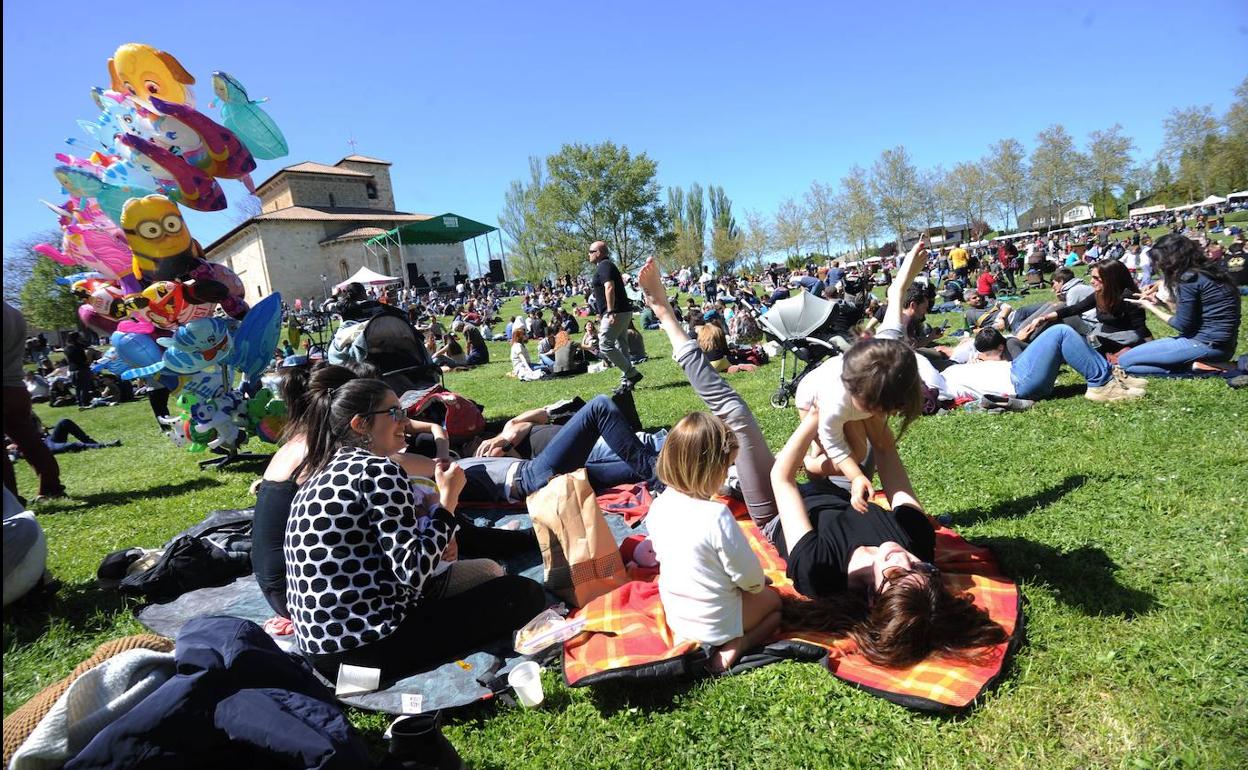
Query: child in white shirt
{"points": [[710, 582]]}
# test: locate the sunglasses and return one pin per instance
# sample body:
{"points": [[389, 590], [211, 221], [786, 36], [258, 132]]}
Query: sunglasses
{"points": [[396, 413]]}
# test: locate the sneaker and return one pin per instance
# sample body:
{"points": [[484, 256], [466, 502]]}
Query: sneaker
{"points": [[1120, 374], [1112, 391]]}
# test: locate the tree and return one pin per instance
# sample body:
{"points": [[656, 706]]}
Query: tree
{"points": [[676, 224], [931, 203], [600, 192], [1006, 167], [756, 242], [244, 208], [45, 303], [859, 219], [1186, 146], [522, 226], [821, 216], [726, 245], [20, 259], [966, 192], [790, 228], [694, 238], [1229, 159], [1055, 165], [893, 182], [1109, 162]]}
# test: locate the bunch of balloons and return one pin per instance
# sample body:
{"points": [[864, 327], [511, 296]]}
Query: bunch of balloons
{"points": [[145, 283]]}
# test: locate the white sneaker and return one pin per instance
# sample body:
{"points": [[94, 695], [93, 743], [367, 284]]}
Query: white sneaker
{"points": [[1120, 374], [1112, 391]]}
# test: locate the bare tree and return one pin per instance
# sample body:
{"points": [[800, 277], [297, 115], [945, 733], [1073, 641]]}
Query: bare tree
{"points": [[790, 227], [821, 215], [244, 209], [860, 218], [1007, 170], [756, 242], [893, 182], [521, 224]]}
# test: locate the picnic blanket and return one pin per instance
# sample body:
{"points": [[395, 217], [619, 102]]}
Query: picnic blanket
{"points": [[628, 637]]}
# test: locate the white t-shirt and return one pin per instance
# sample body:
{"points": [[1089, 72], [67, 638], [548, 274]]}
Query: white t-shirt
{"points": [[823, 388], [705, 562], [978, 379]]}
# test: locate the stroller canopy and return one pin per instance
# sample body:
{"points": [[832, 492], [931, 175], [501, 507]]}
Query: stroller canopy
{"points": [[799, 316]]}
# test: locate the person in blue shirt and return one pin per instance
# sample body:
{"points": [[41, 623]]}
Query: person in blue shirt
{"points": [[1204, 308]]}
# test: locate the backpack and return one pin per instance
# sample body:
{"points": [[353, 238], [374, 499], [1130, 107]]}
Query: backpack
{"points": [[462, 417]]}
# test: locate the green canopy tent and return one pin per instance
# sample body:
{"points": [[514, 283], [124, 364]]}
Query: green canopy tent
{"points": [[444, 228]]}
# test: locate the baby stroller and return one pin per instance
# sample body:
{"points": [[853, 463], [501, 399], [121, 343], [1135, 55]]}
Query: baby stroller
{"points": [[810, 328], [388, 342]]}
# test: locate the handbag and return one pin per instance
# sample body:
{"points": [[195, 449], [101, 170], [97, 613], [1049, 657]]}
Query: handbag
{"points": [[580, 560]]}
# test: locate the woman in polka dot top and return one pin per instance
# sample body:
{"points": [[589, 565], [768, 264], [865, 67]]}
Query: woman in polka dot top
{"points": [[360, 549]]}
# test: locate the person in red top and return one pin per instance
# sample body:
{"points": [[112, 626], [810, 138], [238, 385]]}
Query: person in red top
{"points": [[986, 284], [1007, 257]]}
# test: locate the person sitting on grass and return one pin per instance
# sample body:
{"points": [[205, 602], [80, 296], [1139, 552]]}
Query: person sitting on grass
{"points": [[522, 367], [450, 354], [715, 345], [711, 584], [1204, 307], [1119, 324], [478, 353], [363, 553]]}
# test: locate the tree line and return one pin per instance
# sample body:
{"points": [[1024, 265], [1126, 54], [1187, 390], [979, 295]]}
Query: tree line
{"points": [[604, 192]]}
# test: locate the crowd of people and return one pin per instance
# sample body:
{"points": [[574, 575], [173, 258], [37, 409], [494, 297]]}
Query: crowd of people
{"points": [[373, 568]]}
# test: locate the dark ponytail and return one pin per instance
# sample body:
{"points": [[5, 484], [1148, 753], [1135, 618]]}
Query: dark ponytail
{"points": [[328, 414]]}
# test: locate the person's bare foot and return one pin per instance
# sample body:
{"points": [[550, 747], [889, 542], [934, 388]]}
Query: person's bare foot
{"points": [[651, 282], [725, 657]]}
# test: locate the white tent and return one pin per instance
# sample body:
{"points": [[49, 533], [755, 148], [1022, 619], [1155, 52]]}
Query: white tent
{"points": [[1240, 194], [1147, 210], [1212, 200], [366, 276]]}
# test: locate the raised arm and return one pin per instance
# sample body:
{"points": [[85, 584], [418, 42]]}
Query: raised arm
{"points": [[893, 326], [794, 520]]}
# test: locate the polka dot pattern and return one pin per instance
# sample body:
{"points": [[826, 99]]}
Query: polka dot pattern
{"points": [[358, 549]]}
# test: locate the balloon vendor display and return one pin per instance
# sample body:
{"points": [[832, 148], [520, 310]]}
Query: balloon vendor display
{"points": [[145, 283]]}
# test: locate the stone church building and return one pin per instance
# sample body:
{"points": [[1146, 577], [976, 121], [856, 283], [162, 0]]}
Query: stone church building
{"points": [[314, 220]]}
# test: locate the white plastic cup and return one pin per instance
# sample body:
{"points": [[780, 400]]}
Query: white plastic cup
{"points": [[526, 680]]}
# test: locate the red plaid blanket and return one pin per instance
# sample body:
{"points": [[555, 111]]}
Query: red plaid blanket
{"points": [[626, 630]]}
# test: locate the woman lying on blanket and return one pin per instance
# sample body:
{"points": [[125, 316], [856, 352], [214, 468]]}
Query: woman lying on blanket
{"points": [[905, 616], [363, 552], [276, 491]]}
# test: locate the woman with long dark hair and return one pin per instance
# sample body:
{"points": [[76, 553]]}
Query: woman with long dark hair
{"points": [[1203, 306], [1119, 324], [907, 613], [478, 353], [362, 553]]}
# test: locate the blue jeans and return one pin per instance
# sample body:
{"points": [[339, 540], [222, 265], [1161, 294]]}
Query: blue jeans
{"points": [[572, 446], [1034, 372], [606, 469], [1172, 354]]}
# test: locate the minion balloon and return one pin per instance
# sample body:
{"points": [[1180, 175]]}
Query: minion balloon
{"points": [[163, 247]]}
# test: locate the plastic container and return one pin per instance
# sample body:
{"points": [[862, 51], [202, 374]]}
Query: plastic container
{"points": [[526, 680]]}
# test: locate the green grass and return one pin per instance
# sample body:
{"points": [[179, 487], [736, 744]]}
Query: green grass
{"points": [[1124, 525]]}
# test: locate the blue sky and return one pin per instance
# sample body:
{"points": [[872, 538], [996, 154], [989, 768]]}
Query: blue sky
{"points": [[759, 98]]}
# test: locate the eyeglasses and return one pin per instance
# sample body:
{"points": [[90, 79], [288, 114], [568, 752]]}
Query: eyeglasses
{"points": [[396, 413], [894, 575]]}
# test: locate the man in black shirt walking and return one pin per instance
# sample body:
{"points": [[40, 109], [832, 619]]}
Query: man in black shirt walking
{"points": [[615, 311], [79, 367]]}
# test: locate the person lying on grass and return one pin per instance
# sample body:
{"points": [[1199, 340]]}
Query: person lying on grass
{"points": [[869, 575], [898, 615], [363, 552]]}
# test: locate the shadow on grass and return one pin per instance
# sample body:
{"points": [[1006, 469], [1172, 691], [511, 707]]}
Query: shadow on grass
{"points": [[1021, 506], [611, 698], [84, 607], [121, 497], [1082, 578]]}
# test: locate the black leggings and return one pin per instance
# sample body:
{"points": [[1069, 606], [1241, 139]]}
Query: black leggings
{"points": [[439, 630]]}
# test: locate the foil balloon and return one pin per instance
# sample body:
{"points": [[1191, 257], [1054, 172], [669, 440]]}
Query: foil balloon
{"points": [[192, 185], [247, 120], [143, 72], [162, 246]]}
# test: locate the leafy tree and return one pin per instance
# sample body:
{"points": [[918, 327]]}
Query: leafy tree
{"points": [[931, 203], [790, 228], [600, 192], [1186, 145], [676, 222], [1006, 166], [46, 304], [1055, 165], [893, 182], [694, 241], [522, 226], [1109, 162], [859, 217], [726, 241], [1229, 158], [821, 215], [19, 260]]}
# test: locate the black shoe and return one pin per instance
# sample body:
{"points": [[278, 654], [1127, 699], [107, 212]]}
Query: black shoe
{"points": [[628, 383]]}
